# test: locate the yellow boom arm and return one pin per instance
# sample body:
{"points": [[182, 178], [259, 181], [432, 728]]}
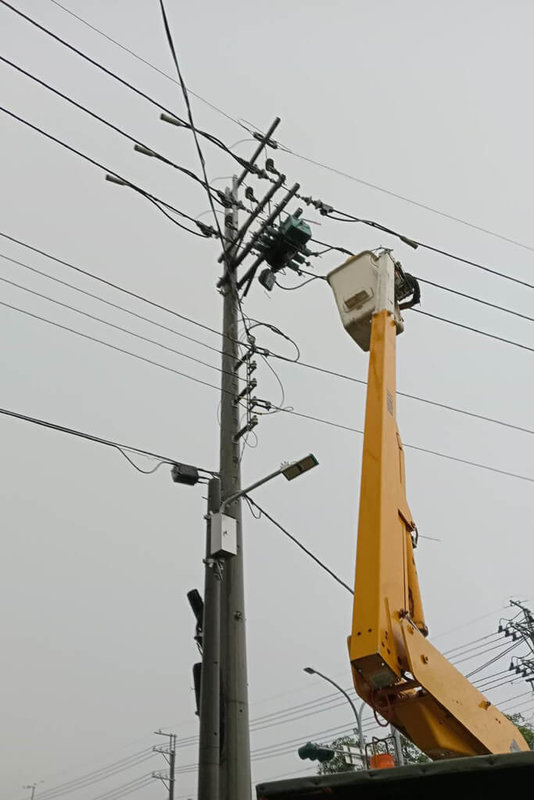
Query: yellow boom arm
{"points": [[395, 668]]}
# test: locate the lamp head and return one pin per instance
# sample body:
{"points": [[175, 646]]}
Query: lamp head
{"points": [[296, 468]]}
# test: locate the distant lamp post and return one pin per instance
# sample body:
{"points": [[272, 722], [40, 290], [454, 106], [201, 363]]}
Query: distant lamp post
{"points": [[32, 787], [357, 713]]}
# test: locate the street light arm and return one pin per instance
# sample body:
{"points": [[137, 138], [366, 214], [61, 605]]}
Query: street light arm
{"points": [[252, 486], [290, 471], [326, 678], [357, 714]]}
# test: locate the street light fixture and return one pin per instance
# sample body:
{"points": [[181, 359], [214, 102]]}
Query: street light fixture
{"points": [[290, 471], [223, 539]]}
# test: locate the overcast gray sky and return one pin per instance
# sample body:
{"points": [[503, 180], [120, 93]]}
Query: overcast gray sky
{"points": [[428, 100]]}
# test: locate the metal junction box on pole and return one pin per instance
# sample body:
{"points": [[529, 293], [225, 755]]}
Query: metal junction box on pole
{"points": [[223, 540]]}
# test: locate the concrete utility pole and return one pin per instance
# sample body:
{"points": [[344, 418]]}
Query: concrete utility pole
{"points": [[209, 709], [235, 773]]}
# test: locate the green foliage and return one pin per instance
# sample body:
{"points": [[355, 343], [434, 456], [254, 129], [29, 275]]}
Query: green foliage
{"points": [[338, 764], [525, 727], [412, 754]]}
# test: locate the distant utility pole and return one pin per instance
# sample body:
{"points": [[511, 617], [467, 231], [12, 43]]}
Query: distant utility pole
{"points": [[169, 753], [521, 627]]}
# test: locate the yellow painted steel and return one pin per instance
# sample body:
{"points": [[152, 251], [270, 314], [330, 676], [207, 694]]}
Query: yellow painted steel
{"points": [[395, 668]]}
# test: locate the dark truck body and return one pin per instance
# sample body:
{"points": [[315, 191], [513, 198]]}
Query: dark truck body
{"points": [[491, 777]]}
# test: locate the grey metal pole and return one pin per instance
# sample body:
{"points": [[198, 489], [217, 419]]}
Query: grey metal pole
{"points": [[209, 710], [397, 742], [361, 737], [357, 714], [235, 777]]}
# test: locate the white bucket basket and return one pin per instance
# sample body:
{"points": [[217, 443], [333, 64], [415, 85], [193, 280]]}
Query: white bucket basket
{"points": [[364, 285]]}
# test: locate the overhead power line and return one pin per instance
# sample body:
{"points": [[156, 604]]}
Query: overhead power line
{"points": [[95, 776], [416, 243], [299, 544], [427, 450], [426, 400], [474, 299], [126, 788], [106, 122], [146, 62], [107, 344], [166, 309], [112, 325], [501, 645], [409, 200], [120, 80], [183, 87], [294, 153], [156, 201], [494, 659], [123, 448], [116, 286], [293, 412], [116, 306], [470, 645], [474, 330], [352, 218]]}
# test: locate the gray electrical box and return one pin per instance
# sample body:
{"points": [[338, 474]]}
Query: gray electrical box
{"points": [[223, 538]]}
